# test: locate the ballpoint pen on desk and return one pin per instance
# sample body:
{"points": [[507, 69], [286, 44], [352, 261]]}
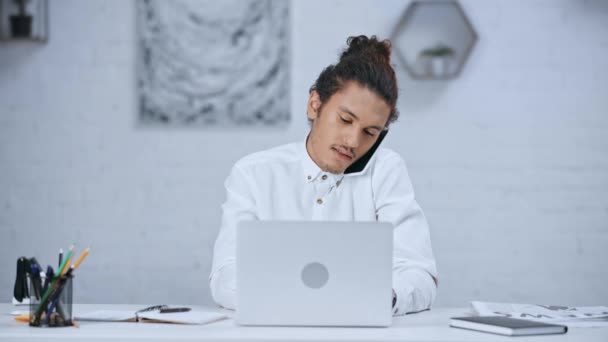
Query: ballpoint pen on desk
{"points": [[163, 308], [171, 310]]}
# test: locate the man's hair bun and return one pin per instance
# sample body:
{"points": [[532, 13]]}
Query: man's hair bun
{"points": [[362, 46]]}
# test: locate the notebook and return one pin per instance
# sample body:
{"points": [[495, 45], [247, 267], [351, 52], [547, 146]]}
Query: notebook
{"points": [[507, 326], [152, 315]]}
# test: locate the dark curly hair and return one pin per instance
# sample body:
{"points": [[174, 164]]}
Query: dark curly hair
{"points": [[367, 62]]}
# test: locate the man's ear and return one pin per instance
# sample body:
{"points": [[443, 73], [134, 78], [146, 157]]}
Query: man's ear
{"points": [[314, 103]]}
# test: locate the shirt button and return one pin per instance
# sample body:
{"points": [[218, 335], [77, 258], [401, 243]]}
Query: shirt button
{"points": [[319, 201], [309, 177], [324, 177]]}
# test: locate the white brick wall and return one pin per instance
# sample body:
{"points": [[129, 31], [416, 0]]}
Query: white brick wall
{"points": [[510, 160]]}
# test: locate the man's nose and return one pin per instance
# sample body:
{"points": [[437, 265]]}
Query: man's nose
{"points": [[352, 139]]}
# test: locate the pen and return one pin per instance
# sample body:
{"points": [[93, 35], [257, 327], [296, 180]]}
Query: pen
{"points": [[49, 275], [35, 279], [37, 270], [34, 261], [170, 310], [60, 257]]}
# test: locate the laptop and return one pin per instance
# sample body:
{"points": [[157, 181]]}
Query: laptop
{"points": [[313, 273]]}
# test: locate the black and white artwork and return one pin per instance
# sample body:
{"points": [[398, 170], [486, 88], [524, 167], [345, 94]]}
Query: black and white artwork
{"points": [[221, 63]]}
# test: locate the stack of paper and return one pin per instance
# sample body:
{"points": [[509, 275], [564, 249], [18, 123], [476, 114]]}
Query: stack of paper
{"points": [[575, 316]]}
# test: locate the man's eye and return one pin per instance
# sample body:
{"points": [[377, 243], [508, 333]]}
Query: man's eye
{"points": [[344, 120], [369, 133]]}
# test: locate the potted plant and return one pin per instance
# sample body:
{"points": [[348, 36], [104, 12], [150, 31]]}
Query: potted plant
{"points": [[437, 60], [21, 24]]}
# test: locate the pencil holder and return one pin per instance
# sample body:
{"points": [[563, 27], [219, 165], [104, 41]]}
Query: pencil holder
{"points": [[50, 302]]}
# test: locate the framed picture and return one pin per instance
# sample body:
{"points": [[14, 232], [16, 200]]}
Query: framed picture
{"points": [[218, 64]]}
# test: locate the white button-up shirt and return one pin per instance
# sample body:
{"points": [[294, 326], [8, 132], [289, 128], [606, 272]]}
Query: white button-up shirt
{"points": [[284, 183]]}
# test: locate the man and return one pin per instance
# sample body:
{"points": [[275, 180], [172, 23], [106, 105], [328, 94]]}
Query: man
{"points": [[336, 174]]}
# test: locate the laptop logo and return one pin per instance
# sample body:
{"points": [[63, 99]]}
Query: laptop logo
{"points": [[315, 275]]}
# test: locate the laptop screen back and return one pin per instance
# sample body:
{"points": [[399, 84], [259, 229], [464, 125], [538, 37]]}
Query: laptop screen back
{"points": [[314, 273]]}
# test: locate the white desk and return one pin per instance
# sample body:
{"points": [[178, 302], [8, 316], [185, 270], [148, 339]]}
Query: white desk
{"points": [[426, 326]]}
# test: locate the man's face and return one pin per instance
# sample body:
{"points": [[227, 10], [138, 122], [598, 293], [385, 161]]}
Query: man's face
{"points": [[346, 127]]}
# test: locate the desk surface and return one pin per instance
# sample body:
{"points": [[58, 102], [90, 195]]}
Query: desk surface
{"points": [[425, 326]]}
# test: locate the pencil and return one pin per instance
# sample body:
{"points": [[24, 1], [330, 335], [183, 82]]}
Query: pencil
{"points": [[81, 258], [23, 318]]}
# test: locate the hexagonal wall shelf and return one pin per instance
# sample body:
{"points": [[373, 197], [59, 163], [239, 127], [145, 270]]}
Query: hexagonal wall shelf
{"points": [[433, 39]]}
